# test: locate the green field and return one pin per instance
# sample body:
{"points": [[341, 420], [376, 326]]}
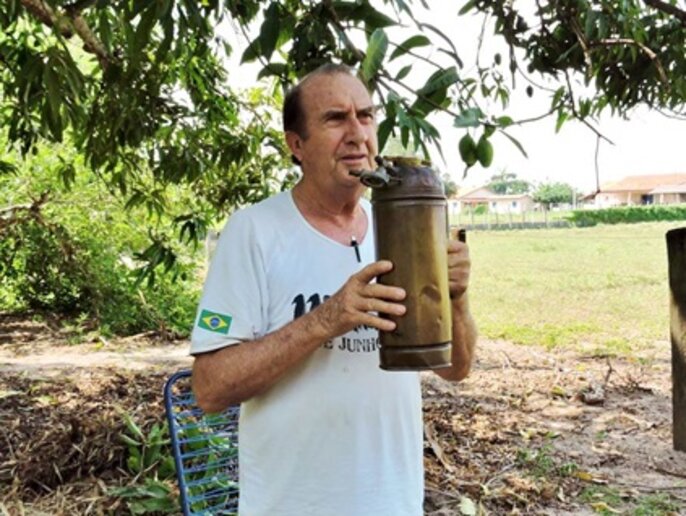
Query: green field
{"points": [[602, 290]]}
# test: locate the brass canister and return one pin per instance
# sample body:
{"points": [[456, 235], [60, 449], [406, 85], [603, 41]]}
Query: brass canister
{"points": [[411, 230]]}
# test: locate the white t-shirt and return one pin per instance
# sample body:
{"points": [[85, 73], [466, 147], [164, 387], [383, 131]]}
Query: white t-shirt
{"points": [[337, 435]]}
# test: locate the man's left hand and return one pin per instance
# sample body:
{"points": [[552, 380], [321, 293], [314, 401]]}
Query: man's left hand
{"points": [[459, 266]]}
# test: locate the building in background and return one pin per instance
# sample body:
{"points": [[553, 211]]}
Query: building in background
{"points": [[491, 202], [643, 190]]}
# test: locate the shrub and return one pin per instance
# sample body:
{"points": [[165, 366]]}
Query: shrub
{"points": [[72, 251], [628, 215]]}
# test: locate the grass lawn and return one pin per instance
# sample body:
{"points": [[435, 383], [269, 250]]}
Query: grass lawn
{"points": [[603, 290]]}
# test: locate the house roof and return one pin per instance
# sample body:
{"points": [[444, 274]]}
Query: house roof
{"points": [[644, 184]]}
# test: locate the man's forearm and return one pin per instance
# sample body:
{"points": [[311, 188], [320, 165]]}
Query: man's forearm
{"points": [[238, 372], [464, 341]]}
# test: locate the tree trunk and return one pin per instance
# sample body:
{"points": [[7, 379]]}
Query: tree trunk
{"points": [[676, 252]]}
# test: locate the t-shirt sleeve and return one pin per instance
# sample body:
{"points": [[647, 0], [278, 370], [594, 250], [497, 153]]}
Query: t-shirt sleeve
{"points": [[233, 305]]}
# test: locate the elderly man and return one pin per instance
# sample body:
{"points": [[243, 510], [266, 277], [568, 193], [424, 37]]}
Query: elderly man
{"points": [[323, 430]]}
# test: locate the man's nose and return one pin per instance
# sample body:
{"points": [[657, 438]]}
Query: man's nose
{"points": [[356, 132]]}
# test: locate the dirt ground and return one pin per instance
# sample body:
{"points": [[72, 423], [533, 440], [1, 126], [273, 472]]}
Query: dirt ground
{"points": [[529, 432]]}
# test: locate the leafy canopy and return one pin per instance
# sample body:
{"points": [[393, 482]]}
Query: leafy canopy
{"points": [[507, 183], [140, 88], [554, 193]]}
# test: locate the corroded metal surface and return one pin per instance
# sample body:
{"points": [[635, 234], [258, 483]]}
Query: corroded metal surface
{"points": [[411, 224], [676, 251]]}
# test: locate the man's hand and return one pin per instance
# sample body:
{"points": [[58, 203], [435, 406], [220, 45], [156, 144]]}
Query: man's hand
{"points": [[459, 266], [358, 302]]}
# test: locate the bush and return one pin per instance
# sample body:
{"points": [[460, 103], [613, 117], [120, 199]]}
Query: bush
{"points": [[73, 252], [628, 215]]}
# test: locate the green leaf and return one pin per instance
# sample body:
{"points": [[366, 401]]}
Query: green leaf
{"points": [[516, 143], [561, 119], [504, 121], [51, 82], [67, 173], [410, 43], [105, 29], [376, 51], [252, 52], [133, 427], [384, 131], [403, 72], [274, 69], [468, 118], [144, 29], [7, 168], [129, 441], [362, 12], [453, 51], [269, 32], [441, 80], [467, 7]]}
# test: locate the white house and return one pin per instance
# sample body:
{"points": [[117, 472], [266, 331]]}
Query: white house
{"points": [[637, 190], [495, 203]]}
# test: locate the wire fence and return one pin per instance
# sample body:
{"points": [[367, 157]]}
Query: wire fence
{"points": [[534, 219]]}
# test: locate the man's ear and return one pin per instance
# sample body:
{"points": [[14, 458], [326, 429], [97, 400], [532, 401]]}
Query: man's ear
{"points": [[294, 141]]}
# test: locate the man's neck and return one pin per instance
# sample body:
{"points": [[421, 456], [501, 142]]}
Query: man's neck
{"points": [[338, 216]]}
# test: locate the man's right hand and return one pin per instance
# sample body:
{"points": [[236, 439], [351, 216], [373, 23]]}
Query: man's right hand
{"points": [[359, 301]]}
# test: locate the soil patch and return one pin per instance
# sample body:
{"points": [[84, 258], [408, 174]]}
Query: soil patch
{"points": [[529, 432]]}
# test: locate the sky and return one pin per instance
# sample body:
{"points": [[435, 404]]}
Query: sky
{"points": [[646, 143]]}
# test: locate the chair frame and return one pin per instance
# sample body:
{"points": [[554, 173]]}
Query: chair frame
{"points": [[217, 432]]}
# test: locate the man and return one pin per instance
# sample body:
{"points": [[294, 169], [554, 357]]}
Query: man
{"points": [[323, 430]]}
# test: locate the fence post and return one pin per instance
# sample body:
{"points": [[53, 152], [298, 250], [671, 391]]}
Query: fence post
{"points": [[676, 254]]}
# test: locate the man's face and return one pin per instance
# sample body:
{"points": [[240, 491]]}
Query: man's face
{"points": [[341, 130]]}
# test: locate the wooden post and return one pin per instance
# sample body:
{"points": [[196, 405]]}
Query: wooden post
{"points": [[676, 254]]}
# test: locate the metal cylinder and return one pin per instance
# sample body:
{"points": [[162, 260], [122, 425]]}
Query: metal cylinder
{"points": [[411, 230]]}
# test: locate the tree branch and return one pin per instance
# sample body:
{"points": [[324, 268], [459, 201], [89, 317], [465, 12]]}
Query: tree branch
{"points": [[581, 38], [47, 16], [572, 104], [91, 43], [647, 51], [669, 9], [341, 31], [69, 23]]}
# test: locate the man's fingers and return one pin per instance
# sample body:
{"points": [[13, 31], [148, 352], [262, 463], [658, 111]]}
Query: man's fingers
{"points": [[455, 246], [376, 290], [383, 307], [373, 270], [378, 322]]}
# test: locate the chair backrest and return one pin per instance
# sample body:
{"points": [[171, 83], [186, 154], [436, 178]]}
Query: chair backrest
{"points": [[205, 448]]}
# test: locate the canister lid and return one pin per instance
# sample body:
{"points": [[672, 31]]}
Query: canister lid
{"points": [[409, 178]]}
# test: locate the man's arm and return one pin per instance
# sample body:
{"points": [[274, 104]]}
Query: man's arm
{"points": [[464, 328], [238, 372]]}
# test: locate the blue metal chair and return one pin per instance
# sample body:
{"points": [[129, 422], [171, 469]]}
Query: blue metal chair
{"points": [[205, 448]]}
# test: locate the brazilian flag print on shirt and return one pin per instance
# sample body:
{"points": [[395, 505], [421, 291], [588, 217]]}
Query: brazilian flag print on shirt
{"points": [[212, 321]]}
